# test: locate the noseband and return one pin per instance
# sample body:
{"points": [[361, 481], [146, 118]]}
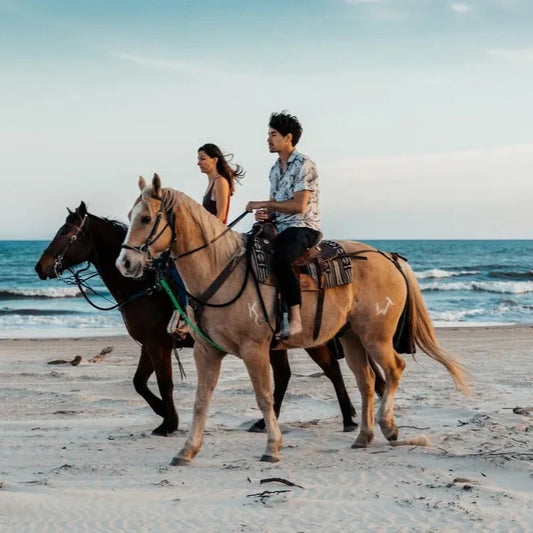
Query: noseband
{"points": [[152, 237]]}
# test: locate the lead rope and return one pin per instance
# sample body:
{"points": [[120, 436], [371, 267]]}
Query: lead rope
{"points": [[180, 366], [183, 314]]}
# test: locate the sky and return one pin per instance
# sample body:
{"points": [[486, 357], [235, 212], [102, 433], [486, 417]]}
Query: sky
{"points": [[417, 113]]}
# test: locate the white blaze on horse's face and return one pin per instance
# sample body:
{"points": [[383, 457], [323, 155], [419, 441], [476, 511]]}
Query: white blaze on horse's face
{"points": [[131, 263], [143, 219]]}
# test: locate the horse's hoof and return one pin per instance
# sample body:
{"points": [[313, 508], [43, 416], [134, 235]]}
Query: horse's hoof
{"points": [[258, 427], [179, 461], [363, 440], [391, 432], [269, 459], [350, 427], [161, 432]]}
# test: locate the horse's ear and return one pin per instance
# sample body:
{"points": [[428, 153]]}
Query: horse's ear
{"points": [[142, 183], [82, 209], [156, 185], [69, 211]]}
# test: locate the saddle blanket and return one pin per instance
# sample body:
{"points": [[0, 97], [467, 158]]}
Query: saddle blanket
{"points": [[331, 268]]}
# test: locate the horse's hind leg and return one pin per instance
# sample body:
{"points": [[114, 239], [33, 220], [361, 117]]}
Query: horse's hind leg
{"points": [[162, 360], [357, 360], [279, 361], [329, 364], [208, 361], [386, 408], [392, 364]]}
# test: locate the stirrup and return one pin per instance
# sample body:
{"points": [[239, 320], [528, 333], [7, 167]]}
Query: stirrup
{"points": [[284, 330]]}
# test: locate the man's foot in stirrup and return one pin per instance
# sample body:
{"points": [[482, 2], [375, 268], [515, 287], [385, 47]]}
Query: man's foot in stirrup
{"points": [[182, 329], [284, 330], [177, 326]]}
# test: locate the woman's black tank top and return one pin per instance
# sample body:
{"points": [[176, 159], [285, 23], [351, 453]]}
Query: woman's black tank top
{"points": [[209, 204]]}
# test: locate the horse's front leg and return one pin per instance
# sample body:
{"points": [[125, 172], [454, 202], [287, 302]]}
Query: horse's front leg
{"points": [[208, 361], [256, 359]]}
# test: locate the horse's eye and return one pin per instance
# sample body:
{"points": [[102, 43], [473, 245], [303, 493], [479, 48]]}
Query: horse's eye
{"points": [[146, 220], [63, 231]]}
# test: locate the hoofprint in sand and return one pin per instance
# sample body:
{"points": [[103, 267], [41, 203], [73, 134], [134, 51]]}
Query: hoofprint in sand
{"points": [[77, 453]]}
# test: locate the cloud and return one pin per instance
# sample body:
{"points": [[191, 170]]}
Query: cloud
{"points": [[484, 193], [411, 168], [174, 64], [512, 55], [356, 2], [461, 8]]}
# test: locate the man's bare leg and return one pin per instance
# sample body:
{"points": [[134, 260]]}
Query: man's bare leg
{"points": [[295, 320]]}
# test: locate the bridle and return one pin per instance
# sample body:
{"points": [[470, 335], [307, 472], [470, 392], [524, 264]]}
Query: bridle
{"points": [[153, 236], [80, 233], [169, 215]]}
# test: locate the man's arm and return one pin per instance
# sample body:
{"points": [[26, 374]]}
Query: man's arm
{"points": [[296, 204]]}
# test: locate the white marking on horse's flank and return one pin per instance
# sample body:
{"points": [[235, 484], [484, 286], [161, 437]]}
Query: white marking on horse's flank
{"points": [[384, 310], [253, 312]]}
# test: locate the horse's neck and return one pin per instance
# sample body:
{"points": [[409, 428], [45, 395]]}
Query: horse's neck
{"points": [[106, 246], [194, 230]]}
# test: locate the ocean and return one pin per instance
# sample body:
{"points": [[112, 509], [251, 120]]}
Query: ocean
{"points": [[464, 282]]}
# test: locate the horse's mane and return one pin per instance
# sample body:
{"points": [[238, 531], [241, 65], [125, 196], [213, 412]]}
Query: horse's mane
{"points": [[211, 226], [115, 225]]}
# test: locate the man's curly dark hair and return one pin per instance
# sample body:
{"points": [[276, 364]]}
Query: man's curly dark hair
{"points": [[285, 124]]}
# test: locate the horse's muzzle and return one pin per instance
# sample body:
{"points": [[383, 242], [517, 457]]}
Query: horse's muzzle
{"points": [[129, 266], [44, 268]]}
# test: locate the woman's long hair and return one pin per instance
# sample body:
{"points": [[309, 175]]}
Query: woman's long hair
{"points": [[231, 174]]}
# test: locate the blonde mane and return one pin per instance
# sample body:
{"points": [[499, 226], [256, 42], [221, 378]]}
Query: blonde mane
{"points": [[209, 225]]}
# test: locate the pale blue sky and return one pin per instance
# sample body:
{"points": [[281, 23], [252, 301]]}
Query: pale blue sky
{"points": [[418, 113]]}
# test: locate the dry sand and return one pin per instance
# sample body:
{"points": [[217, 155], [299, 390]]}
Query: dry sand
{"points": [[77, 452]]}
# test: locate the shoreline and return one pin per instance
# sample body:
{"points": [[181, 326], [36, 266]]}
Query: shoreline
{"points": [[124, 335]]}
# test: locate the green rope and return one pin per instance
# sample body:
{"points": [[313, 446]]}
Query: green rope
{"points": [[183, 314]]}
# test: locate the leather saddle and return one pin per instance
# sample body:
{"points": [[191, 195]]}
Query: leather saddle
{"points": [[323, 265]]}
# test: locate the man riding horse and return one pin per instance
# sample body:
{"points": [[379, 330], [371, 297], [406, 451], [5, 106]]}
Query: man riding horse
{"points": [[293, 207]]}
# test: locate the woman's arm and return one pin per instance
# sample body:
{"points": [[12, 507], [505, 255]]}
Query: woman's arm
{"points": [[222, 196]]}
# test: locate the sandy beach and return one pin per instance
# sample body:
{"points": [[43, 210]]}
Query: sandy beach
{"points": [[77, 452]]}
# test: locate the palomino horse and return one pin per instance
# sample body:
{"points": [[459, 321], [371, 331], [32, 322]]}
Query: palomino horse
{"points": [[146, 313], [371, 305]]}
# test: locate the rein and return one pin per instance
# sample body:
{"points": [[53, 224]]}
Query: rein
{"points": [[81, 282], [84, 288], [190, 252]]}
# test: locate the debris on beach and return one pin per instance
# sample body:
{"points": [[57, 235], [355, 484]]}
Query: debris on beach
{"points": [[74, 362], [526, 411], [264, 496], [101, 355], [280, 480]]}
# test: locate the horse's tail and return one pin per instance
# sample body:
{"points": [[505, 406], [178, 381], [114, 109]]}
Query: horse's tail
{"points": [[422, 332]]}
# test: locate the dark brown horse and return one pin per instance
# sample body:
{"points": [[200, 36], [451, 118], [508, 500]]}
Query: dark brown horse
{"points": [[86, 237]]}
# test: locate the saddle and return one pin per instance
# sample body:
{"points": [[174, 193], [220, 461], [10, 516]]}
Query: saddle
{"points": [[324, 265]]}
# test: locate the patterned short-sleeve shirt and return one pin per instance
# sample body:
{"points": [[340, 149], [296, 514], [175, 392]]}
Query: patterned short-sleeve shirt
{"points": [[300, 175]]}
